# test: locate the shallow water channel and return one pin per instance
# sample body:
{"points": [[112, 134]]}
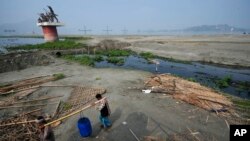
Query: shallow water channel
{"points": [[11, 42], [204, 74]]}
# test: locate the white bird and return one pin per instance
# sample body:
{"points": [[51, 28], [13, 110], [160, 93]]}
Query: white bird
{"points": [[146, 91]]}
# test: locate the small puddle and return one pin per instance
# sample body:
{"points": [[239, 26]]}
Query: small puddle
{"points": [[204, 74]]}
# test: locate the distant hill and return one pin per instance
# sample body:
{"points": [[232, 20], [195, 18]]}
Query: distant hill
{"points": [[214, 28]]}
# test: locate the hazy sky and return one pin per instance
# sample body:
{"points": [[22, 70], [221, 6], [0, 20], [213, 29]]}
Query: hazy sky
{"points": [[132, 14]]}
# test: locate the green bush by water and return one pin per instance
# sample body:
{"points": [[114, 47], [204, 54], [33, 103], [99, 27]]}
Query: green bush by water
{"points": [[115, 60], [147, 55], [224, 82], [191, 79], [98, 58], [83, 60]]}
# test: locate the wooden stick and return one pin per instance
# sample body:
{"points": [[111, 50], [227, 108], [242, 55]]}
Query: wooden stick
{"points": [[31, 111], [22, 122], [192, 133], [27, 105], [227, 124], [134, 134], [46, 98], [57, 108], [14, 123], [76, 112], [207, 119]]}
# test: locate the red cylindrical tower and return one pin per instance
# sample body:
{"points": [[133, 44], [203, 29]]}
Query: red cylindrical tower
{"points": [[50, 31]]}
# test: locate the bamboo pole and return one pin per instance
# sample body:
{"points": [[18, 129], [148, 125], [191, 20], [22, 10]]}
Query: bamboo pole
{"points": [[28, 105], [36, 110], [34, 87], [15, 91], [22, 122], [14, 123], [73, 113], [134, 134], [46, 98]]}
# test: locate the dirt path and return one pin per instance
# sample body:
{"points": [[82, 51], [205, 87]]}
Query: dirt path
{"points": [[145, 115]]}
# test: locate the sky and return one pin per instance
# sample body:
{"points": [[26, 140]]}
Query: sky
{"points": [[133, 15]]}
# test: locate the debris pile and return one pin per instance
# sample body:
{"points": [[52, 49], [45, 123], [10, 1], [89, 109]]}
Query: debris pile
{"points": [[19, 128], [189, 92]]}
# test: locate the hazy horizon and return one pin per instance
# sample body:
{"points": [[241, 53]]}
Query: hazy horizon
{"points": [[132, 15]]}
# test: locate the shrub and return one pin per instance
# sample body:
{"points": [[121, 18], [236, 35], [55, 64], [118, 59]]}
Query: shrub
{"points": [[115, 60], [59, 76], [147, 55]]}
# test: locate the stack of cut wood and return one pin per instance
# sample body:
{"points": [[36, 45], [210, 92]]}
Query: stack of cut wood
{"points": [[190, 92]]}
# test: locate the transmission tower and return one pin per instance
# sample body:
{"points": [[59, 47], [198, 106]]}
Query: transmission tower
{"points": [[85, 30], [107, 30]]}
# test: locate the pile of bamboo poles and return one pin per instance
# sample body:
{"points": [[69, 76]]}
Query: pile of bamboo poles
{"points": [[190, 92], [25, 84], [22, 89]]}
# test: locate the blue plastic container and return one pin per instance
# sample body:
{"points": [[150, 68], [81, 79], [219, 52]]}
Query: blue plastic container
{"points": [[84, 127]]}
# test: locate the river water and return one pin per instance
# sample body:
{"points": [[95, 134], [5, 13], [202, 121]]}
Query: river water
{"points": [[9, 42]]}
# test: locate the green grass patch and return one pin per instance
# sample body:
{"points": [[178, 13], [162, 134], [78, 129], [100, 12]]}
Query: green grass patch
{"points": [[224, 82], [59, 76], [191, 79], [242, 103], [115, 60], [51, 46], [83, 60], [98, 58], [147, 55], [66, 106], [98, 78], [115, 53]]}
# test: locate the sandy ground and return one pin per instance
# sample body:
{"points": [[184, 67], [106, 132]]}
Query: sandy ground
{"points": [[220, 49], [145, 115]]}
